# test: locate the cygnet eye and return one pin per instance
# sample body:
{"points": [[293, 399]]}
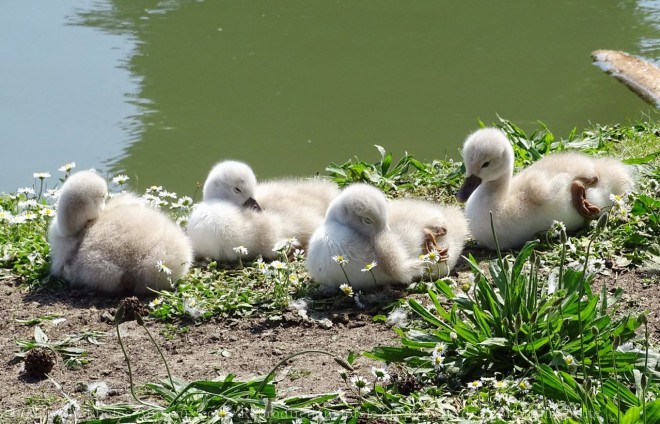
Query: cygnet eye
{"points": [[237, 190], [367, 221], [485, 165]]}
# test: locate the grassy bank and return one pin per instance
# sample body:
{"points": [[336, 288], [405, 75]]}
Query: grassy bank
{"points": [[526, 336]]}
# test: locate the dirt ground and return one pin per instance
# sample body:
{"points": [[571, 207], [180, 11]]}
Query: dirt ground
{"points": [[246, 347]]}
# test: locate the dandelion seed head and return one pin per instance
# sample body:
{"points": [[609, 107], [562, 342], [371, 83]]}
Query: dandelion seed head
{"points": [[398, 317]]}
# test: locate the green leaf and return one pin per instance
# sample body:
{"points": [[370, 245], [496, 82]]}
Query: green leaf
{"points": [[303, 401], [643, 160], [393, 354], [496, 341], [613, 388], [385, 160], [425, 314], [632, 415], [652, 411]]}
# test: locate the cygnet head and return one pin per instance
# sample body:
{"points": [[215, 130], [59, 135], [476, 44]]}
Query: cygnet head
{"points": [[361, 207], [231, 181], [81, 200], [488, 156]]}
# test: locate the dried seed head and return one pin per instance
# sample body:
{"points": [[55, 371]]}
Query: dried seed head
{"points": [[642, 319], [132, 309], [343, 363], [39, 362]]}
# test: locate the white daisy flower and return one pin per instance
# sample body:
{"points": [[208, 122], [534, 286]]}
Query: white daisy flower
{"points": [[440, 348], [120, 179], [524, 386], [166, 193], [361, 384], [163, 268], [224, 414], [67, 167], [474, 385], [156, 302], [557, 228], [500, 384], [369, 267], [346, 289], [5, 216], [50, 212], [437, 360], [52, 193], [278, 265], [340, 259], [30, 216], [241, 250], [41, 175], [381, 374], [25, 190], [185, 201]]}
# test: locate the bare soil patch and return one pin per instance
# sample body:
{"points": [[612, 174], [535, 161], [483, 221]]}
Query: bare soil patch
{"points": [[246, 347]]}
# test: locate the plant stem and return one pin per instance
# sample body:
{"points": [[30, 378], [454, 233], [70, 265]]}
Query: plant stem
{"points": [[160, 352], [283, 361], [120, 313]]}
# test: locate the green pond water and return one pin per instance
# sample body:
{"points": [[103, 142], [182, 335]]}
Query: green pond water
{"points": [[161, 90]]}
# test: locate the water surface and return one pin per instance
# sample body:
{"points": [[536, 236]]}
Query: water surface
{"points": [[162, 90]]}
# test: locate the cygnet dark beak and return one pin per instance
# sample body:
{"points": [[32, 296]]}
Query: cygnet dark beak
{"points": [[252, 204], [469, 185]]}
